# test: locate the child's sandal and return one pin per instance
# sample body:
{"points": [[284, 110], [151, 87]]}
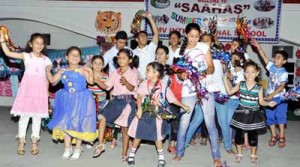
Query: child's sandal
{"points": [[131, 160], [172, 149], [238, 158], [273, 141], [21, 144], [124, 158], [281, 142], [161, 163], [35, 146], [254, 158], [98, 150], [203, 141]]}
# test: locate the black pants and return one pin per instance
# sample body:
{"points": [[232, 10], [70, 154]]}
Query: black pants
{"points": [[174, 122], [252, 137]]}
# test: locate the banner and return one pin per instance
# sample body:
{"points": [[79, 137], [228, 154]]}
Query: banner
{"points": [[263, 16]]}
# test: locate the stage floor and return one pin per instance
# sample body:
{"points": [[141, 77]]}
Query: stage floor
{"points": [[195, 156]]}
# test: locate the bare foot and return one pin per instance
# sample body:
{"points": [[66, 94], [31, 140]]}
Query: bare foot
{"points": [[217, 163], [193, 142], [176, 158]]}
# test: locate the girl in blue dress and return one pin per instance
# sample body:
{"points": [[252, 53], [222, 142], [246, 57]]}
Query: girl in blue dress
{"points": [[74, 114]]}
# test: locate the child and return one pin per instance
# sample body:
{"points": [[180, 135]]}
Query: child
{"points": [[236, 75], [276, 87], [162, 56], [198, 54], [121, 109], [100, 75], [148, 125], [248, 118], [74, 113], [174, 41], [121, 40], [32, 98], [143, 51]]}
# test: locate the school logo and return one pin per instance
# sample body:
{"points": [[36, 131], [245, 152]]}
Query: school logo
{"points": [[160, 4]]}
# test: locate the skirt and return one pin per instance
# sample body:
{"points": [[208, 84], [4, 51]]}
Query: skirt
{"points": [[249, 119], [119, 111], [150, 127], [74, 114]]}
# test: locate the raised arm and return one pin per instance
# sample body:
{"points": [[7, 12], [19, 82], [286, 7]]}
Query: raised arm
{"points": [[154, 28], [261, 52], [230, 90], [6, 50]]}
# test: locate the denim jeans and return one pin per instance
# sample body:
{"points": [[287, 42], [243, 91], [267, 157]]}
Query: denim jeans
{"points": [[184, 123], [205, 111], [224, 119], [232, 105]]}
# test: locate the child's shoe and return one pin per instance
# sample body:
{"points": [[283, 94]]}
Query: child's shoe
{"points": [[161, 163], [67, 154], [76, 154]]}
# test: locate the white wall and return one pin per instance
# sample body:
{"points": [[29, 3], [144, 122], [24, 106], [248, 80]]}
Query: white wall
{"points": [[20, 31]]}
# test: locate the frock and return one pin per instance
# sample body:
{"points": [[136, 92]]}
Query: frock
{"points": [[32, 96], [75, 111], [151, 126], [248, 116]]}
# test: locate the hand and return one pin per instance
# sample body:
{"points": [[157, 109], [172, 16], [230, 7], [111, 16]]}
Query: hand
{"points": [[1, 36], [256, 44], [148, 15], [123, 80], [48, 68], [139, 113], [272, 103], [86, 68], [186, 108], [268, 98]]}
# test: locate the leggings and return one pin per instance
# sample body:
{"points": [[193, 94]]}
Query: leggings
{"points": [[174, 122], [252, 137]]}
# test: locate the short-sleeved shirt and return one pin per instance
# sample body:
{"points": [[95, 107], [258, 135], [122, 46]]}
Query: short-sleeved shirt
{"points": [[36, 65], [277, 76], [146, 55], [171, 55], [100, 93], [109, 56], [113, 81], [197, 56], [160, 95]]}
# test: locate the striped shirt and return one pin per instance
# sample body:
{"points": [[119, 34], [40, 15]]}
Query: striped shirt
{"points": [[249, 98], [100, 93]]}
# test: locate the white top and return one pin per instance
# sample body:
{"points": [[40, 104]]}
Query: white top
{"points": [[146, 55], [171, 55], [109, 57], [215, 81], [196, 55], [237, 78]]}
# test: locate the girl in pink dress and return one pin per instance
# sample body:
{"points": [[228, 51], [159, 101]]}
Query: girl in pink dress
{"points": [[120, 110], [32, 98]]}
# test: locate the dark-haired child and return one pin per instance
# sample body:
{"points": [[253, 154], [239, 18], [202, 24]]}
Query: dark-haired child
{"points": [[74, 113], [120, 43], [32, 98], [174, 41], [248, 117], [146, 52], [148, 124], [276, 87], [121, 109]]}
